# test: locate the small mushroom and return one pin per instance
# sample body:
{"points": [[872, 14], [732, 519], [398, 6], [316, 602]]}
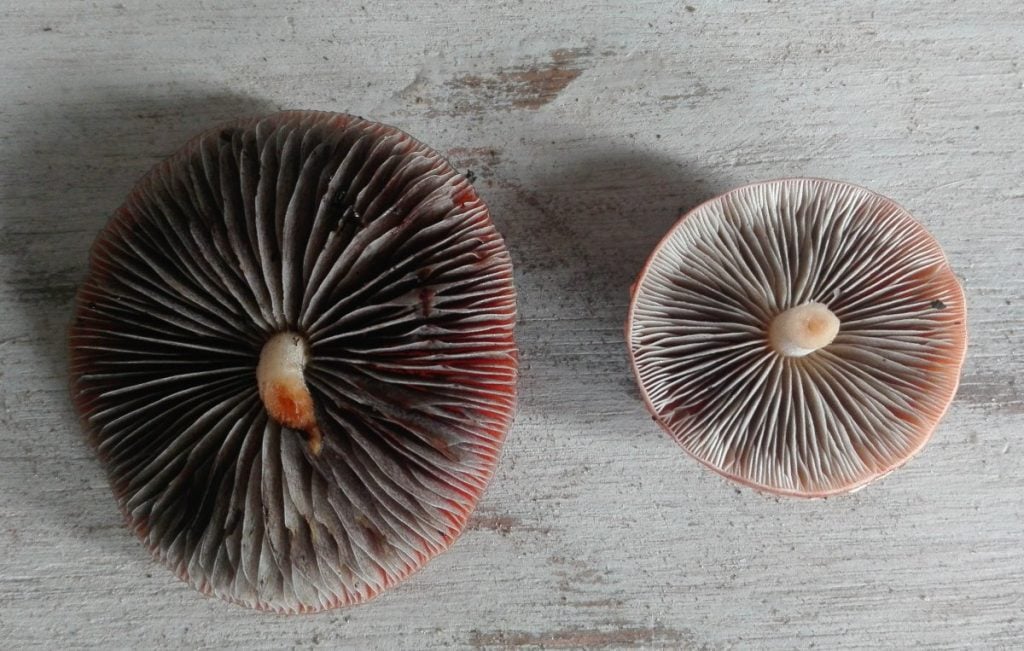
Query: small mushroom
{"points": [[294, 354], [801, 336]]}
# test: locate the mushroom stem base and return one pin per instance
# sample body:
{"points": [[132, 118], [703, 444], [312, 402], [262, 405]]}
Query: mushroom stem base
{"points": [[282, 386], [803, 329]]}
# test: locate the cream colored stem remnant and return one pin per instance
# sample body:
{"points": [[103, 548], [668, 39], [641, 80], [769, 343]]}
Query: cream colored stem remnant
{"points": [[282, 386], [803, 329]]}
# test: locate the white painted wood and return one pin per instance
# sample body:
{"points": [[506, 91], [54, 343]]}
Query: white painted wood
{"points": [[589, 127]]}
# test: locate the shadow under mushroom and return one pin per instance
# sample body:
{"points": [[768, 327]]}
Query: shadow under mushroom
{"points": [[69, 177], [579, 237]]}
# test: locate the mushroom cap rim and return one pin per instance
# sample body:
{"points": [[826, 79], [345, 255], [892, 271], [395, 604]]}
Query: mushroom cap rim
{"points": [[762, 488]]}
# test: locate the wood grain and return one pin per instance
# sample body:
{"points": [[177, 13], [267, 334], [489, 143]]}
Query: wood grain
{"points": [[589, 127]]}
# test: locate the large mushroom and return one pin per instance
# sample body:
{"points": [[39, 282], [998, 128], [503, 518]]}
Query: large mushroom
{"points": [[294, 355], [801, 336]]}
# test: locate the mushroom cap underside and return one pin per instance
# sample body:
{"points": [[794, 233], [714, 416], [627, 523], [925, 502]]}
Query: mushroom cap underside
{"points": [[370, 248], [810, 422]]}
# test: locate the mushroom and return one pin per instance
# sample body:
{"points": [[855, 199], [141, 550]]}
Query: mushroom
{"points": [[294, 355], [802, 336]]}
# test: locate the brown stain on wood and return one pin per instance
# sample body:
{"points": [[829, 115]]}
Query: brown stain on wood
{"points": [[582, 638], [579, 578], [502, 524], [609, 602], [529, 86]]}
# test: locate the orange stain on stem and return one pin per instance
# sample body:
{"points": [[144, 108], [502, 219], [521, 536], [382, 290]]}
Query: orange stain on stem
{"points": [[283, 388]]}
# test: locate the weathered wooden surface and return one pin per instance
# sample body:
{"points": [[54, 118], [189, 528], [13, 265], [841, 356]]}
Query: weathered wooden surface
{"points": [[589, 127]]}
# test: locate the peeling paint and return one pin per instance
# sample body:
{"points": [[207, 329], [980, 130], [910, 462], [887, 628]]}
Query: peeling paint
{"points": [[584, 638], [502, 524], [527, 86]]}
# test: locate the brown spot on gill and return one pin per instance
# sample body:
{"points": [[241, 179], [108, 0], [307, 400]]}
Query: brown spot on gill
{"points": [[376, 538], [446, 450], [315, 439], [427, 301]]}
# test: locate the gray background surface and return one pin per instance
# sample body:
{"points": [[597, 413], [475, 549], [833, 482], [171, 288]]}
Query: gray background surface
{"points": [[590, 126]]}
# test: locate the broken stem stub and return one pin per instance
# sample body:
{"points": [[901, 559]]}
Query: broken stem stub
{"points": [[803, 329], [282, 385]]}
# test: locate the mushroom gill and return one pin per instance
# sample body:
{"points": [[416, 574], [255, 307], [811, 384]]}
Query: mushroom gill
{"points": [[800, 336], [294, 354]]}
